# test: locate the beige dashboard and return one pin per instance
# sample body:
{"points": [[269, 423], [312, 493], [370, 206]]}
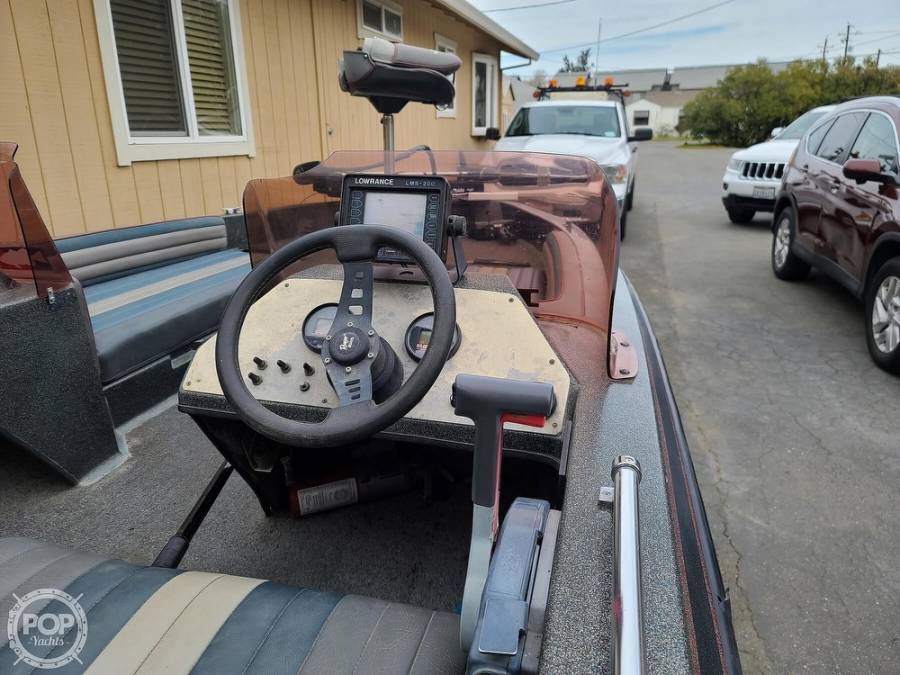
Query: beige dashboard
{"points": [[499, 339]]}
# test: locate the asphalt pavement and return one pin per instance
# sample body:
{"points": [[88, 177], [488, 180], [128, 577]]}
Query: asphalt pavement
{"points": [[794, 432]]}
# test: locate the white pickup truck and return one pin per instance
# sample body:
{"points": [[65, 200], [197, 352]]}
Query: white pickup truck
{"points": [[593, 129]]}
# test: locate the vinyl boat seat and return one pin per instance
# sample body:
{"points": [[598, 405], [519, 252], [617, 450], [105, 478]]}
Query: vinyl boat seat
{"points": [[152, 620], [391, 75], [153, 289]]}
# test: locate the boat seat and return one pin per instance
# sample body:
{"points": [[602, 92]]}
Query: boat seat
{"points": [[391, 75], [153, 289], [406, 56], [152, 620]]}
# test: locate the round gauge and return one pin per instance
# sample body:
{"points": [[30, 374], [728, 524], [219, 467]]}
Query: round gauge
{"points": [[418, 336], [317, 324]]}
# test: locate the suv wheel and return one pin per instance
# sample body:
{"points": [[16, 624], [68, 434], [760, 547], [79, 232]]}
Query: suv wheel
{"points": [[883, 316], [740, 215], [785, 264]]}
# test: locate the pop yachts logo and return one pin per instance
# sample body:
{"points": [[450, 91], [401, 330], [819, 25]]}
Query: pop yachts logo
{"points": [[47, 628]]}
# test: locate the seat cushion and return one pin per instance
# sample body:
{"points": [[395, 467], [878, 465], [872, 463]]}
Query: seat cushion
{"points": [[98, 256], [151, 620], [144, 316]]}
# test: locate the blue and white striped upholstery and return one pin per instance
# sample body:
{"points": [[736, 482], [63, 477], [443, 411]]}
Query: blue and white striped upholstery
{"points": [[153, 289], [152, 620]]}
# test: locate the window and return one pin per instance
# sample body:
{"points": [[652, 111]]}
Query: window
{"points": [[379, 18], [839, 137], [798, 127], [484, 93], [443, 44], [175, 78], [641, 118], [584, 120], [877, 140], [815, 138]]}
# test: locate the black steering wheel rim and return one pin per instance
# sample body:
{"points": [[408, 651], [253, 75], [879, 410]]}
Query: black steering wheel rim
{"points": [[356, 421]]}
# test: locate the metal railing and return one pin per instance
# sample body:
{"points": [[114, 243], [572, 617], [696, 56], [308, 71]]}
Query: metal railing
{"points": [[627, 618]]}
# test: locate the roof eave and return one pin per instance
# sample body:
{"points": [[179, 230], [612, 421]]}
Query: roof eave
{"points": [[510, 42]]}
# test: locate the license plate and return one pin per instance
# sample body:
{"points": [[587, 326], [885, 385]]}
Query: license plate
{"points": [[763, 193]]}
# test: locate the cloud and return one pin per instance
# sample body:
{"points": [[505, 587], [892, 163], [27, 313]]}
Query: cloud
{"points": [[740, 32]]}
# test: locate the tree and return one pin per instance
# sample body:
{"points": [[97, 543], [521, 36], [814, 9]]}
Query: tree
{"points": [[751, 100], [581, 63], [538, 78]]}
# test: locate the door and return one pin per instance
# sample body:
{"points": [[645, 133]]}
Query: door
{"points": [[485, 89], [862, 208], [800, 178], [826, 175]]}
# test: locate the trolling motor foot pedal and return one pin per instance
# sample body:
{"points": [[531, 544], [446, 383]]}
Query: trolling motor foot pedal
{"points": [[490, 402]]}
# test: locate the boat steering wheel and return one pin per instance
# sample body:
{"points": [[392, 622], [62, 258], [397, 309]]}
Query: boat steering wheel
{"points": [[351, 346]]}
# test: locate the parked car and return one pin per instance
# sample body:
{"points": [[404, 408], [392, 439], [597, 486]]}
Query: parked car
{"points": [[839, 211], [753, 174], [595, 129]]}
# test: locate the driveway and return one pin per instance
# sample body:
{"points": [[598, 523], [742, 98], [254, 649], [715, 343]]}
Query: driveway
{"points": [[795, 433]]}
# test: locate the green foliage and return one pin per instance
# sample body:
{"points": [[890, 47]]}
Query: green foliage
{"points": [[579, 65], [751, 100]]}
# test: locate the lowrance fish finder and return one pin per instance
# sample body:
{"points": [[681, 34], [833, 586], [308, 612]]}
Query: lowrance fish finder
{"points": [[418, 204]]}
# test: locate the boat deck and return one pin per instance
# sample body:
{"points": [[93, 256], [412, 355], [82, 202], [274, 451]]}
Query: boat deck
{"points": [[409, 553]]}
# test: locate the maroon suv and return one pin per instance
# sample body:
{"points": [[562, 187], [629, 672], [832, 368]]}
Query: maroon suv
{"points": [[838, 211]]}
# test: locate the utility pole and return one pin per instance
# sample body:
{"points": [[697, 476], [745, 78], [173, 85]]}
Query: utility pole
{"points": [[847, 40], [878, 57], [824, 47], [597, 53]]}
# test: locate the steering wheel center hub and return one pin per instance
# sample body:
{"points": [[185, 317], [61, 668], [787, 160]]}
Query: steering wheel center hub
{"points": [[349, 346]]}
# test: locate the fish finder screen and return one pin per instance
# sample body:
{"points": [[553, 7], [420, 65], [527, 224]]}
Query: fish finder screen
{"points": [[405, 210]]}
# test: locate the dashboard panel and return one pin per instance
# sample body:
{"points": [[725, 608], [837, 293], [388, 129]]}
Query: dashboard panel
{"points": [[498, 338]]}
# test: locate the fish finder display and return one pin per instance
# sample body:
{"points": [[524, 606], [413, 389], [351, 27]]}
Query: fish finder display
{"points": [[405, 210], [418, 205]]}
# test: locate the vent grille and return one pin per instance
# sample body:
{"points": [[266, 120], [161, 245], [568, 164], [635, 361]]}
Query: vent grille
{"points": [[762, 170]]}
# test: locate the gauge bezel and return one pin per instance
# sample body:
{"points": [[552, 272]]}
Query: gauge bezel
{"points": [[312, 313], [408, 341]]}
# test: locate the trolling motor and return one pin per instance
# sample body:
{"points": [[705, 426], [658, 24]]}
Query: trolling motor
{"points": [[391, 75]]}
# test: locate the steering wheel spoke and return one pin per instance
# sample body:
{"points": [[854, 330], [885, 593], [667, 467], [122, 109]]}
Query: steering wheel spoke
{"points": [[351, 387], [351, 343]]}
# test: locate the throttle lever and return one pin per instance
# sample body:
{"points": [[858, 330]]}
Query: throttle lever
{"points": [[490, 402]]}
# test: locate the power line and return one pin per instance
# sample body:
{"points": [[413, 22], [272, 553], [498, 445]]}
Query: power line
{"points": [[880, 39], [644, 30], [539, 4]]}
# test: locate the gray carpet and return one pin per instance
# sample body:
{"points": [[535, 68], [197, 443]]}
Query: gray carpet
{"points": [[397, 549]]}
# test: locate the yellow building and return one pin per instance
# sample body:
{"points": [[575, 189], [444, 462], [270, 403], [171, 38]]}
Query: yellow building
{"points": [[134, 111]]}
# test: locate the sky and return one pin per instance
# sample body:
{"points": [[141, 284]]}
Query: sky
{"points": [[736, 31]]}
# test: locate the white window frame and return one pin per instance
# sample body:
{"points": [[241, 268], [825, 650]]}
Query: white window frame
{"points": [[493, 93], [452, 47], [152, 148], [364, 31]]}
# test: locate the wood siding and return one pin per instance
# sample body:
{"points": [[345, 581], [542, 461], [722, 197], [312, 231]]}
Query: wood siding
{"points": [[54, 105]]}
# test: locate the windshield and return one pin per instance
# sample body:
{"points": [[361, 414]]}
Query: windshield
{"points": [[798, 127], [547, 223], [28, 257], [584, 120]]}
